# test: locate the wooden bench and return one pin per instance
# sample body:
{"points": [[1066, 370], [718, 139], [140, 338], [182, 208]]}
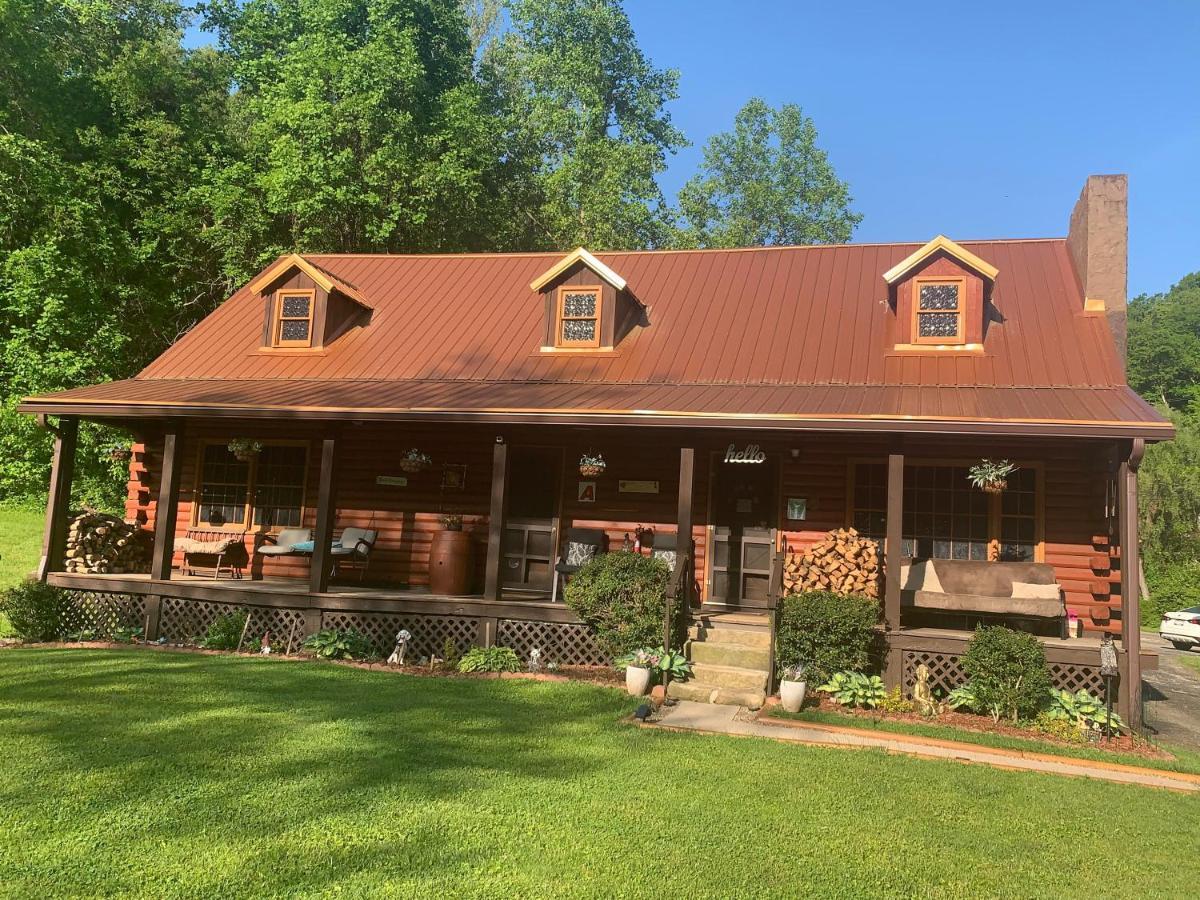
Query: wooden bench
{"points": [[213, 551]]}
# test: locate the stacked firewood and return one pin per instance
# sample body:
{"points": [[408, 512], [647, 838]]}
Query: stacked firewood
{"points": [[844, 562], [100, 543]]}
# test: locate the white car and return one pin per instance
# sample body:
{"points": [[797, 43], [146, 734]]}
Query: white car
{"points": [[1181, 628]]}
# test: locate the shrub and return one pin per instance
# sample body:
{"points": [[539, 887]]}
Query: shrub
{"points": [[855, 689], [1173, 586], [225, 632], [894, 702], [334, 643], [1007, 670], [37, 611], [1060, 729], [450, 654], [622, 596], [490, 659], [825, 633]]}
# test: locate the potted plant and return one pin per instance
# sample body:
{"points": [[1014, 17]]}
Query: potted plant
{"points": [[415, 461], [591, 465], [792, 687], [450, 557], [245, 449], [639, 670], [991, 475]]}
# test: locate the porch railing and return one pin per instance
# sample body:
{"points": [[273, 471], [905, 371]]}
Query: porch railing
{"points": [[774, 596]]}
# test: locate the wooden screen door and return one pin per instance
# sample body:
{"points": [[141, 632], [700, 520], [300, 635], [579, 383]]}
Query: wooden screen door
{"points": [[743, 534], [529, 529]]}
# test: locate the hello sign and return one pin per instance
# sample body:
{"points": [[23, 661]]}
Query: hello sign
{"points": [[752, 454]]}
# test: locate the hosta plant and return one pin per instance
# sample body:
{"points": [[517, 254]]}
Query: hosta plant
{"points": [[1084, 710], [490, 659], [964, 698], [335, 643], [674, 662], [855, 689]]}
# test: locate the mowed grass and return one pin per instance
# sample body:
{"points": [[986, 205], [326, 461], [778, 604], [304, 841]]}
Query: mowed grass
{"points": [[142, 772], [20, 544]]}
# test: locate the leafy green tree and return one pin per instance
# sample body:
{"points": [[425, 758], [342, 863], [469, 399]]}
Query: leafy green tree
{"points": [[766, 182], [106, 124], [587, 117], [1164, 344], [1169, 494]]}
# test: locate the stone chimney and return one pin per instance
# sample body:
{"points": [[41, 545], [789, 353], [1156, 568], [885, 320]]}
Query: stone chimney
{"points": [[1098, 241]]}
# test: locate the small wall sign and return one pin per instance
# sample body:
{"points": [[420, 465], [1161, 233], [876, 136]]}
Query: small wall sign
{"points": [[587, 492], [637, 487], [392, 480], [454, 477], [750, 454], [797, 508]]}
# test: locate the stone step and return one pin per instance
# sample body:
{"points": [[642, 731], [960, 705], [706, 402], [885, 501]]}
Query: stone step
{"points": [[729, 676], [720, 634], [734, 619], [703, 692], [735, 655]]}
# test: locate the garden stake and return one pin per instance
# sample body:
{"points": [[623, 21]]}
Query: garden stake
{"points": [[291, 634], [245, 628]]}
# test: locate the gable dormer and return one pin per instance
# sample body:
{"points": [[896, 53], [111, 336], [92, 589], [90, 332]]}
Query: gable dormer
{"points": [[305, 307], [940, 295], [587, 305]]}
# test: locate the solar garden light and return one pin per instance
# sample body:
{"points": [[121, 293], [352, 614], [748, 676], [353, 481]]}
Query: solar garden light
{"points": [[1108, 671]]}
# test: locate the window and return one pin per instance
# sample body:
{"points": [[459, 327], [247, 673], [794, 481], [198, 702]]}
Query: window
{"points": [[945, 517], [293, 319], [266, 492], [938, 310], [578, 317]]}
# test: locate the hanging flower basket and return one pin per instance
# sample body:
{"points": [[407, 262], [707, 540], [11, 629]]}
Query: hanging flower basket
{"points": [[415, 461], [592, 465], [245, 449], [991, 476]]}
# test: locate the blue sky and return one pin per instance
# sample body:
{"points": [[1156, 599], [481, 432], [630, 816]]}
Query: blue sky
{"points": [[969, 119]]}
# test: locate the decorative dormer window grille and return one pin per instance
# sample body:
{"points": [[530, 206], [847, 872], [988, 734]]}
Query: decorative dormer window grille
{"points": [[294, 319], [939, 311], [579, 311]]}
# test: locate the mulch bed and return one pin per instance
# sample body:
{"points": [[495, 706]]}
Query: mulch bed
{"points": [[599, 675], [984, 725]]}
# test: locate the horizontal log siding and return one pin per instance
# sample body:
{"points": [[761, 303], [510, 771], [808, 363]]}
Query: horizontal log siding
{"points": [[406, 517]]}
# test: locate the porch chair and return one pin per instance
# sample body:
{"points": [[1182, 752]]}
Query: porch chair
{"points": [[286, 542], [216, 550], [582, 546], [353, 548]]}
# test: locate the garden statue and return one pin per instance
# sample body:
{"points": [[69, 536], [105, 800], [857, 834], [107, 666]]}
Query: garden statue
{"points": [[264, 646], [922, 695], [535, 659], [402, 639]]}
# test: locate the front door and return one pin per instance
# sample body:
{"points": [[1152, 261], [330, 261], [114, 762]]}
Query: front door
{"points": [[745, 510], [529, 539]]}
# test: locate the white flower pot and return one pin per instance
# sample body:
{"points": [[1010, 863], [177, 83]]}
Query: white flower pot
{"points": [[791, 694], [637, 680]]}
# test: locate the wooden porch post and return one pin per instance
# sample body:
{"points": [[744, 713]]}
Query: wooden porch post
{"points": [[683, 538], [167, 507], [892, 553], [318, 572], [492, 582], [58, 503], [1131, 617]]}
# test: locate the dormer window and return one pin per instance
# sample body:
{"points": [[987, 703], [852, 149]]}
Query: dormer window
{"points": [[294, 319], [579, 310], [939, 310]]}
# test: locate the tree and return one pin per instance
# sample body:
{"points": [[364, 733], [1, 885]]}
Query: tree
{"points": [[106, 123], [360, 127], [1164, 344], [587, 117], [766, 182]]}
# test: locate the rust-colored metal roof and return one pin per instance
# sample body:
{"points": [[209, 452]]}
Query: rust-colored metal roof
{"points": [[789, 335]]}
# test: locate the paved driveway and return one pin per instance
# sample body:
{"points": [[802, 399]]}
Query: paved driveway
{"points": [[1172, 694]]}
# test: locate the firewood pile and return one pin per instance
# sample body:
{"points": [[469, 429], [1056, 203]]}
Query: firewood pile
{"points": [[99, 543], [843, 562]]}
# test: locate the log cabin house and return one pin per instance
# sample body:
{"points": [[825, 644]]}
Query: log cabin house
{"points": [[752, 399]]}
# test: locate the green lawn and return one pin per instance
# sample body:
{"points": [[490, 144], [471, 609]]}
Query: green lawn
{"points": [[20, 544], [181, 775]]}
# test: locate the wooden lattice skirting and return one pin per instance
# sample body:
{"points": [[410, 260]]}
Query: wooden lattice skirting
{"points": [[946, 673], [101, 614]]}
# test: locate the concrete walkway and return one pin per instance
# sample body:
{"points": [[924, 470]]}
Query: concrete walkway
{"points": [[714, 719]]}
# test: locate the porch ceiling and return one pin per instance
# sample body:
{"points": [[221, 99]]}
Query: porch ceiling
{"points": [[1053, 410]]}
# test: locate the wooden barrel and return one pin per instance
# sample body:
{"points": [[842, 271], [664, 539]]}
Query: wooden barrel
{"points": [[450, 563]]}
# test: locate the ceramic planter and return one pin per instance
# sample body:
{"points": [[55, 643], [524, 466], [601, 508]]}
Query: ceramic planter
{"points": [[637, 680], [591, 471], [791, 694], [995, 487]]}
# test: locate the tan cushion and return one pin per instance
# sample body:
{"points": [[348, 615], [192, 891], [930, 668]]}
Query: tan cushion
{"points": [[968, 603], [191, 545], [1025, 590], [920, 576], [989, 579]]}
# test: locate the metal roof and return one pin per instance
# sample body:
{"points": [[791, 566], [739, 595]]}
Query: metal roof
{"points": [[788, 336]]}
